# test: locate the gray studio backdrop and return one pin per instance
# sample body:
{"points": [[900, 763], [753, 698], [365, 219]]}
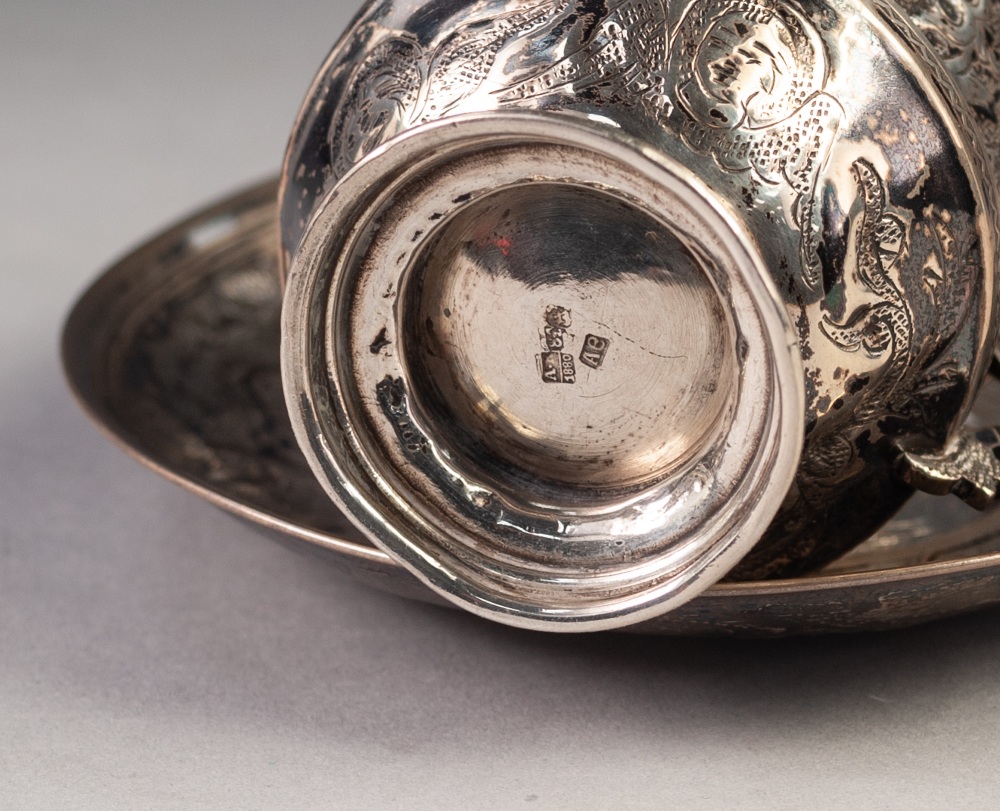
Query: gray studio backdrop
{"points": [[156, 653]]}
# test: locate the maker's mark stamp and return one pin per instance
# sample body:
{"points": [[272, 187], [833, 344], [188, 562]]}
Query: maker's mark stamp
{"points": [[595, 349]]}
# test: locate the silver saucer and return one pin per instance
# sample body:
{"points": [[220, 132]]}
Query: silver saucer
{"points": [[174, 353]]}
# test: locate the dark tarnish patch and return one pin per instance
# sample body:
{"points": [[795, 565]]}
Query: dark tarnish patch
{"points": [[856, 384], [380, 342]]}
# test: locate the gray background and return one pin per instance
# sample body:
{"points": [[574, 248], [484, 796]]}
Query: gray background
{"points": [[157, 653]]}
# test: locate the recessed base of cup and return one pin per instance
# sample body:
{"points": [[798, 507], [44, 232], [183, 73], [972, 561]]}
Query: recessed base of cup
{"points": [[544, 369], [562, 340]]}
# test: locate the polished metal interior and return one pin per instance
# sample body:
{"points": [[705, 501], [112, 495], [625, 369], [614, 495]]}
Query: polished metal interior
{"points": [[601, 305], [174, 353]]}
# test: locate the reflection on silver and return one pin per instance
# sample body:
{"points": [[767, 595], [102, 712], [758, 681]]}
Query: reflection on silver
{"points": [[592, 302], [174, 352]]}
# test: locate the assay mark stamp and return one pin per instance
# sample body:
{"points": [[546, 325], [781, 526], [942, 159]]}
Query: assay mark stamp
{"points": [[555, 365]]}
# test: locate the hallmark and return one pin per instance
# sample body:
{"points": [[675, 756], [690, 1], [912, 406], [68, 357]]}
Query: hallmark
{"points": [[595, 349], [557, 367], [391, 395], [554, 365], [558, 317]]}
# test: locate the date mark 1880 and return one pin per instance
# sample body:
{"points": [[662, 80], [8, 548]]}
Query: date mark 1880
{"points": [[556, 363]]}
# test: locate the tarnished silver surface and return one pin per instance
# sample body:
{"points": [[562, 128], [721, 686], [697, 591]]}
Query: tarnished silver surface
{"points": [[505, 406], [591, 302], [174, 352]]}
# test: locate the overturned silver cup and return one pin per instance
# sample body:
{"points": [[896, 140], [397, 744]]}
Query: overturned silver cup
{"points": [[590, 304]]}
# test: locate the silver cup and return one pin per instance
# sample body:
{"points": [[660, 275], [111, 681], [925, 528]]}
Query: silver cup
{"points": [[590, 303]]}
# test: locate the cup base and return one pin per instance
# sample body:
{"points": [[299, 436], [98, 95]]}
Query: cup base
{"points": [[543, 368]]}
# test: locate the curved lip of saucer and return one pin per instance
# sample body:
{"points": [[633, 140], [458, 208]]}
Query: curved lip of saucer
{"points": [[222, 224]]}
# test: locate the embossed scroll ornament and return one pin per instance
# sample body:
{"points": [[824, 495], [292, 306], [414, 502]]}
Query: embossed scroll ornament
{"points": [[590, 304]]}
